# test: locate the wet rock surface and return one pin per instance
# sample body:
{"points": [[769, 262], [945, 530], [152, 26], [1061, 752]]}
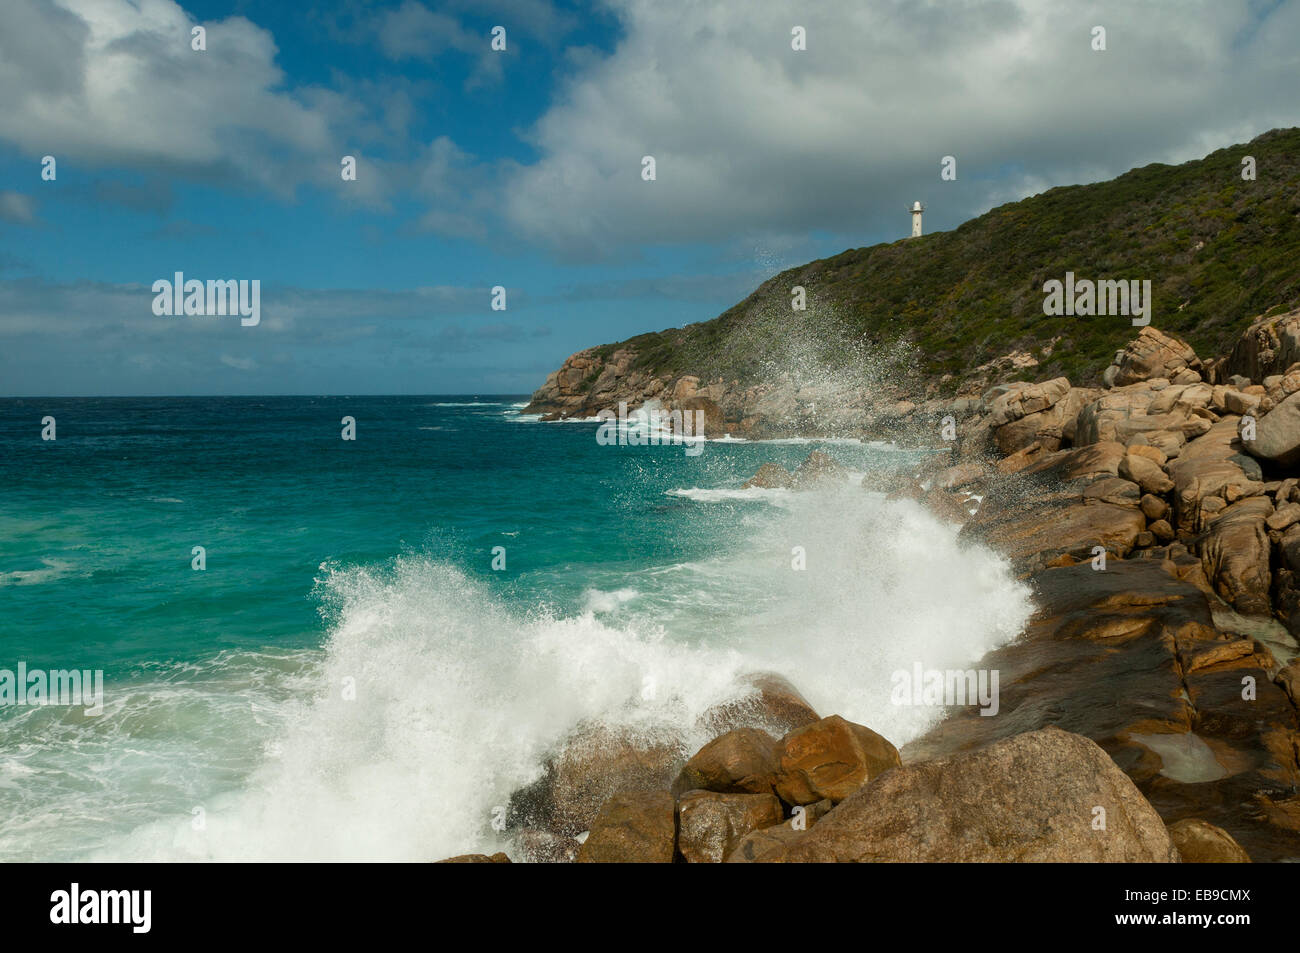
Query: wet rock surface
{"points": [[1158, 678]]}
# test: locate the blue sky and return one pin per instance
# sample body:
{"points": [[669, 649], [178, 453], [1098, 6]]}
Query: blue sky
{"points": [[521, 167]]}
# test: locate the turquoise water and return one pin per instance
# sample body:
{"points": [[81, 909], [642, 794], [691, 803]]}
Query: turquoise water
{"points": [[351, 678]]}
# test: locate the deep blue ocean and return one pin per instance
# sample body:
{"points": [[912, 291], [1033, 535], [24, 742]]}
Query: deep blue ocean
{"points": [[349, 677]]}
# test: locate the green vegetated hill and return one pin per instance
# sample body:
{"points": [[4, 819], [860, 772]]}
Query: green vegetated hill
{"points": [[1218, 251]]}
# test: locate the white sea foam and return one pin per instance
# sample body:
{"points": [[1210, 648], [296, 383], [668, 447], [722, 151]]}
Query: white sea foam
{"points": [[597, 600], [800, 441], [51, 570], [725, 494]]}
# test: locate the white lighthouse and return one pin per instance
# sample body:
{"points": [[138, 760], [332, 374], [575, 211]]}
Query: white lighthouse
{"points": [[917, 209]]}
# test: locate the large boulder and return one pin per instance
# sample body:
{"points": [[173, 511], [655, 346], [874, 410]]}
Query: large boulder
{"points": [[1277, 434], [819, 467], [770, 476], [830, 759], [771, 703], [715, 421], [1061, 507], [711, 824], [1269, 346], [1235, 555], [1287, 584], [742, 761], [1146, 473], [595, 763], [1142, 413], [1153, 354], [1021, 400], [1207, 473], [633, 828], [1200, 842], [1034, 797], [1052, 427], [543, 847]]}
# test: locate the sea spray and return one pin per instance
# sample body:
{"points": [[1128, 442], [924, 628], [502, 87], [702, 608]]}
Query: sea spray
{"points": [[458, 699]]}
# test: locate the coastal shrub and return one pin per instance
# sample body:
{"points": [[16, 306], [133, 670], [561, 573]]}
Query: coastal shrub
{"points": [[973, 294]]}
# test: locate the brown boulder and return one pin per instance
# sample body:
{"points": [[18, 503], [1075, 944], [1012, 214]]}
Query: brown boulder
{"points": [[1154, 508], [1235, 555], [1042, 533], [757, 843], [818, 467], [1153, 354], [715, 421], [1199, 842], [770, 476], [1277, 434], [1139, 414], [1269, 346], [497, 858], [742, 761], [830, 759], [1043, 412], [543, 847], [772, 704], [1146, 473], [596, 763], [633, 828], [1210, 468], [1020, 400], [1284, 516], [1060, 508], [711, 824]]}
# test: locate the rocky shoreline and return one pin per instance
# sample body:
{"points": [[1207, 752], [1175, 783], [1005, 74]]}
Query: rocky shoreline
{"points": [[1157, 519]]}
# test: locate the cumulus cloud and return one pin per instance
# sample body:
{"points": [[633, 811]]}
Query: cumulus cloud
{"points": [[414, 31], [751, 136], [117, 83]]}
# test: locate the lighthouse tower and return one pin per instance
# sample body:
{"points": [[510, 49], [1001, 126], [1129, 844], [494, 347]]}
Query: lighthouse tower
{"points": [[916, 210]]}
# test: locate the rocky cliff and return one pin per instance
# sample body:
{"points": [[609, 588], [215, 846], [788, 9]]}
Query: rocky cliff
{"points": [[913, 325]]}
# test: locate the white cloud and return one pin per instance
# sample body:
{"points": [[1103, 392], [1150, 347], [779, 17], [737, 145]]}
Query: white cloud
{"points": [[413, 31], [116, 83], [752, 137]]}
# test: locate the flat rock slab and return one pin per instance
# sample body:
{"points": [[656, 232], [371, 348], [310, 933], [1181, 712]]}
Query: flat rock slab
{"points": [[1132, 653]]}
